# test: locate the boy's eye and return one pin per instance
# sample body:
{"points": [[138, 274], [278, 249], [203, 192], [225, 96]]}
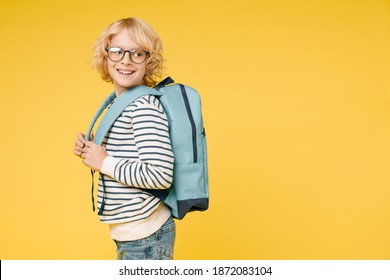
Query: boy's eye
{"points": [[138, 53]]}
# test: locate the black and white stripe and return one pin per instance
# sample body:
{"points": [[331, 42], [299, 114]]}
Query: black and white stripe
{"points": [[141, 157]]}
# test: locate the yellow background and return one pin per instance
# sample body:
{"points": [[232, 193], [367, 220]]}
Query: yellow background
{"points": [[296, 100]]}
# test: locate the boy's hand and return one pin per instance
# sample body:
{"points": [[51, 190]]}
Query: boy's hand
{"points": [[93, 155], [79, 144]]}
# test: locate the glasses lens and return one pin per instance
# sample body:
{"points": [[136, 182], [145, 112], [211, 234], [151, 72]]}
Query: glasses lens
{"points": [[115, 54], [138, 56]]}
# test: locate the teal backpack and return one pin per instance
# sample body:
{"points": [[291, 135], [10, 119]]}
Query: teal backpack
{"points": [[189, 190]]}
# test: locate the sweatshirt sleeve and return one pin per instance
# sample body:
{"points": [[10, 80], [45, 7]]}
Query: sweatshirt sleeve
{"points": [[154, 169]]}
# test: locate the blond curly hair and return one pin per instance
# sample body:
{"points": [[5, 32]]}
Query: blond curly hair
{"points": [[144, 35]]}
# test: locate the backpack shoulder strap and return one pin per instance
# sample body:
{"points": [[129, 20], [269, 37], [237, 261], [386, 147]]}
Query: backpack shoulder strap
{"points": [[116, 109], [103, 106]]}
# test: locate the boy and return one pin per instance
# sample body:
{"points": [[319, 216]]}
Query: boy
{"points": [[136, 153]]}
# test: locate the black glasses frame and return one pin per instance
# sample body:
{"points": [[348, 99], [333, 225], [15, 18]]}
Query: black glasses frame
{"points": [[124, 52]]}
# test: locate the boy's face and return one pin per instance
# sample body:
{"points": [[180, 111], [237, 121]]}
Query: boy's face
{"points": [[125, 73]]}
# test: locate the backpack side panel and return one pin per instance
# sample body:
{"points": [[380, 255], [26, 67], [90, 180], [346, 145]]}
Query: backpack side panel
{"points": [[189, 191]]}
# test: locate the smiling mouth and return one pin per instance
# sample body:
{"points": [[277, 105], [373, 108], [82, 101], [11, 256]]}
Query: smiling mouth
{"points": [[125, 72]]}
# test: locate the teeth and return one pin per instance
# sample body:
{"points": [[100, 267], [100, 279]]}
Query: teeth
{"points": [[124, 72]]}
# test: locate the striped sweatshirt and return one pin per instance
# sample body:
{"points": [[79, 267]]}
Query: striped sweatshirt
{"points": [[140, 157]]}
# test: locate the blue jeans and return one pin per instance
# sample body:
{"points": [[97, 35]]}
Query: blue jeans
{"points": [[158, 246]]}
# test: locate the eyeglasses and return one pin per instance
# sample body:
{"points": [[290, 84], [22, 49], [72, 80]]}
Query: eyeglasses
{"points": [[116, 54]]}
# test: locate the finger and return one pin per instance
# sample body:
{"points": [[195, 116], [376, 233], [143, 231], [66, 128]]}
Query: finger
{"points": [[78, 149], [91, 136], [81, 137], [78, 143], [77, 153]]}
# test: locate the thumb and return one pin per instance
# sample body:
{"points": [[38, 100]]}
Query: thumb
{"points": [[91, 136]]}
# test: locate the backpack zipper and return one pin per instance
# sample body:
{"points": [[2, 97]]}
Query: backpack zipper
{"points": [[193, 127]]}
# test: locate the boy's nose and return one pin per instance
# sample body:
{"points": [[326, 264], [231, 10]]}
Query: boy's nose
{"points": [[126, 58]]}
